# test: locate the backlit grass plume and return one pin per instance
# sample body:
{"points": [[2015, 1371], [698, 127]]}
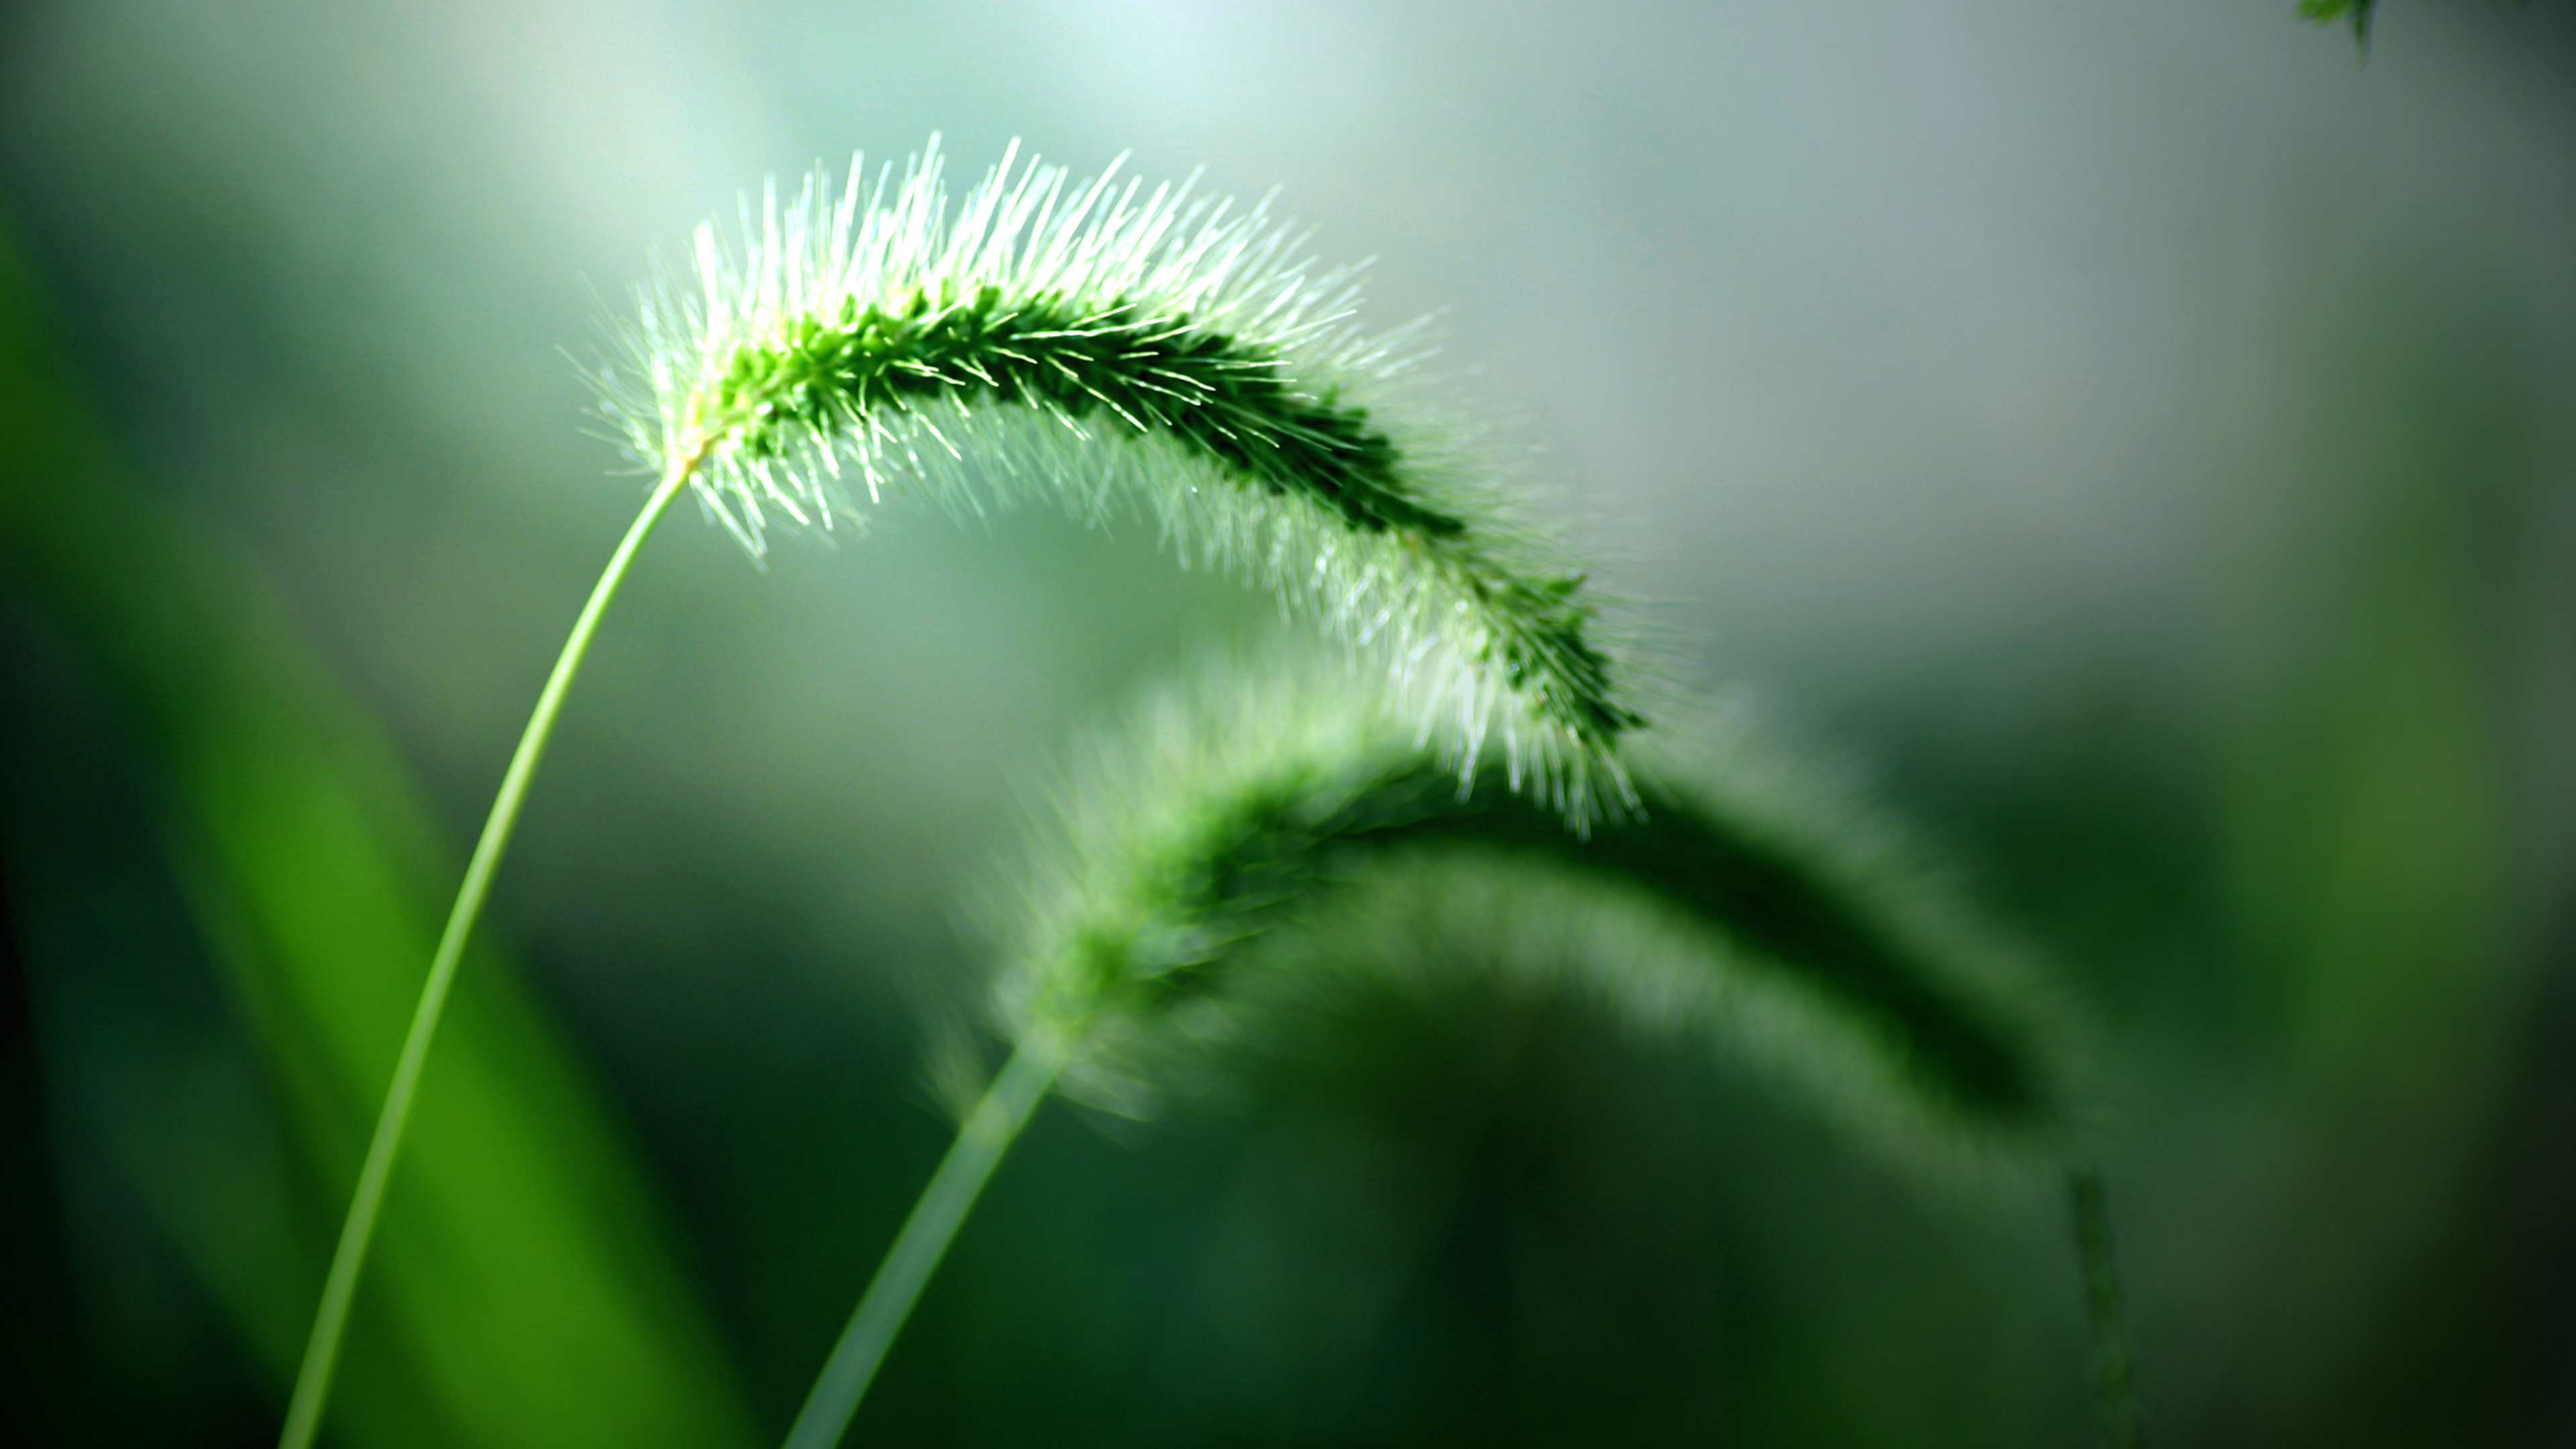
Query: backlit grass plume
{"points": [[1240, 841], [1110, 349], [1285, 796]]}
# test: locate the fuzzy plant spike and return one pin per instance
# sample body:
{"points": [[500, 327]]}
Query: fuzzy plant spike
{"points": [[1203, 866], [1114, 350], [1275, 835]]}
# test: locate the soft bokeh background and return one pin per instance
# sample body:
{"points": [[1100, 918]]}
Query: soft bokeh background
{"points": [[2130, 438]]}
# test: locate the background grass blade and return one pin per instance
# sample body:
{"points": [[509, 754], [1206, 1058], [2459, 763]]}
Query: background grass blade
{"points": [[522, 1294]]}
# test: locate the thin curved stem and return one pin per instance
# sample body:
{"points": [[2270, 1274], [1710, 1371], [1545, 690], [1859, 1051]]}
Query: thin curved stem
{"points": [[986, 1134], [340, 1288], [2115, 1388]]}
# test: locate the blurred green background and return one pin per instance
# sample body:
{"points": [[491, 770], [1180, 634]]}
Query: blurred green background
{"points": [[2131, 439]]}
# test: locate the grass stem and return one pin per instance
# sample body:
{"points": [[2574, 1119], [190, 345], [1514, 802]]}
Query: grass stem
{"points": [[340, 1287], [2115, 1389], [986, 1134]]}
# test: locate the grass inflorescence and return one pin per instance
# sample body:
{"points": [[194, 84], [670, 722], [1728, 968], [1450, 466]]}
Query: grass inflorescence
{"points": [[1263, 802], [1166, 353]]}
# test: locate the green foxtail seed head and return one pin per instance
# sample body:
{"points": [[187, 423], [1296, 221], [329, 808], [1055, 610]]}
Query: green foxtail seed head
{"points": [[1262, 837], [1112, 350], [2327, 12]]}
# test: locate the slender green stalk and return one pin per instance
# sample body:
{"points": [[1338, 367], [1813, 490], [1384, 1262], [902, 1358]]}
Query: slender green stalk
{"points": [[987, 1133], [340, 1288], [2115, 1389]]}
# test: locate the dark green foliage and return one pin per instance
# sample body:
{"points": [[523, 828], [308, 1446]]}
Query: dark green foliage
{"points": [[2327, 12]]}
